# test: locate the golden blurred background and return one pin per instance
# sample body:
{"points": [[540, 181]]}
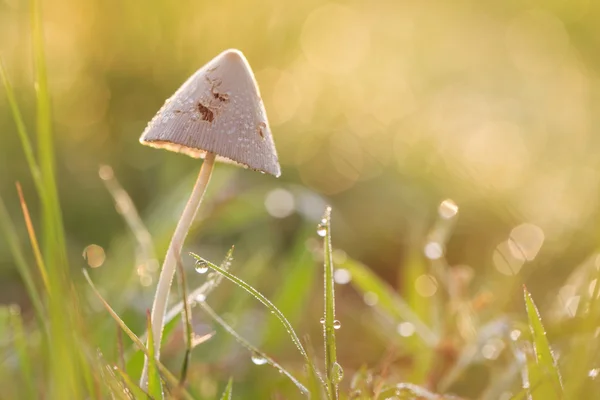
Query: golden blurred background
{"points": [[381, 108]]}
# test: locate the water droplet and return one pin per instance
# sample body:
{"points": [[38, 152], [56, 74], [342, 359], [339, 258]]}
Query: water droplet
{"points": [[337, 324], [258, 359], [593, 373], [337, 373], [201, 267], [322, 321], [321, 230], [201, 297]]}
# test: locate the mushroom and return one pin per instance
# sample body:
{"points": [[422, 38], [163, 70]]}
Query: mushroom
{"points": [[217, 115]]}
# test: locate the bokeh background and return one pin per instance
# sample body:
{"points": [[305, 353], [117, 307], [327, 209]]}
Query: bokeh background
{"points": [[382, 109]]}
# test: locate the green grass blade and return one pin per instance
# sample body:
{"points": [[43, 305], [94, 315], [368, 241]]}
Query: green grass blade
{"points": [[34, 242], [228, 390], [67, 373], [202, 292], [293, 293], [53, 228], [260, 297], [154, 384], [169, 377], [11, 236], [545, 367], [365, 280], [187, 319], [135, 390], [333, 370], [21, 346], [22, 131], [253, 350]]}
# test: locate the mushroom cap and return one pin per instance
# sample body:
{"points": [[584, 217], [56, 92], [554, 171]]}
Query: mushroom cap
{"points": [[217, 110]]}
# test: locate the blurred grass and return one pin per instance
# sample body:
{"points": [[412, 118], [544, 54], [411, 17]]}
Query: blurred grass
{"points": [[381, 109]]}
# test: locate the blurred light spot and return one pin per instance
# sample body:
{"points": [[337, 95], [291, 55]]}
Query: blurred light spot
{"points": [[525, 241], [405, 329], [106, 173], [515, 334], [426, 285], [342, 276], [335, 38], [492, 349], [433, 250], [94, 255], [447, 209], [146, 280], [200, 297], [279, 203], [152, 265], [370, 298], [339, 256], [536, 41], [593, 373], [504, 261]]}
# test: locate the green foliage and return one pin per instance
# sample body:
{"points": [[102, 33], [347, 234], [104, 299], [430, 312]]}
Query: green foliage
{"points": [[154, 384], [333, 370], [228, 390], [544, 376], [401, 343]]}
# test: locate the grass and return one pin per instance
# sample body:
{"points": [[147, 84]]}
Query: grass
{"points": [[446, 340]]}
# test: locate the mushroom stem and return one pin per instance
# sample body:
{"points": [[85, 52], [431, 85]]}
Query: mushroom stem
{"points": [[161, 297]]}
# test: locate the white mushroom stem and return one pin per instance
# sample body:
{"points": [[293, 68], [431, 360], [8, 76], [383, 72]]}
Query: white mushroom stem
{"points": [[161, 297]]}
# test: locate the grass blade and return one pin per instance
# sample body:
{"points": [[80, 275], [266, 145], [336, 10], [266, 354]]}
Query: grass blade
{"points": [[292, 295], [545, 367], [365, 280], [333, 370], [228, 390], [187, 320], [169, 377], [34, 243], [22, 131], [154, 385], [254, 350], [12, 238], [260, 297], [135, 390], [53, 228]]}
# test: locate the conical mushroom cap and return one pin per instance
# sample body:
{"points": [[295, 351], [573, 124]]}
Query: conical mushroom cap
{"points": [[218, 110]]}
